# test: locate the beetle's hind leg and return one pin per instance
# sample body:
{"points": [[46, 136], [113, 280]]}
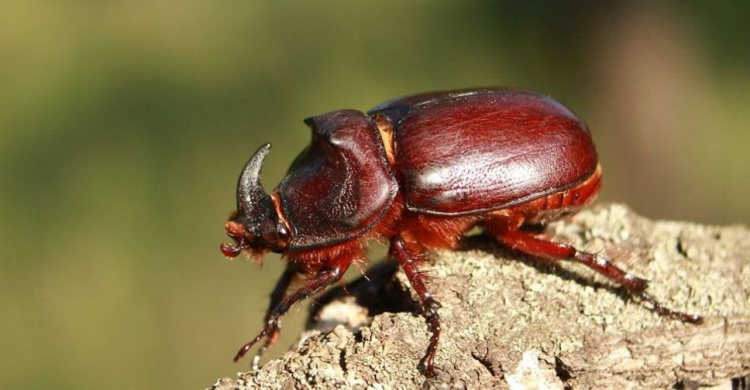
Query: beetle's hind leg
{"points": [[280, 303], [409, 264], [540, 246]]}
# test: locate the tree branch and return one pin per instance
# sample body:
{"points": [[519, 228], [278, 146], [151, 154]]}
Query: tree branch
{"points": [[510, 323]]}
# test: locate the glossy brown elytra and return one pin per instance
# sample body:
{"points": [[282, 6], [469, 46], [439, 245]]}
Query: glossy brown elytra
{"points": [[418, 172]]}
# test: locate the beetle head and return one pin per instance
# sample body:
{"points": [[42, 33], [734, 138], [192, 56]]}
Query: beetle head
{"points": [[255, 226]]}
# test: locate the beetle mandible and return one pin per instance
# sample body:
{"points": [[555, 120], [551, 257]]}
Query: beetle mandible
{"points": [[420, 171]]}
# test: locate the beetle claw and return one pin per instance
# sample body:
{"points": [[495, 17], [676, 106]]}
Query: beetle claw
{"points": [[270, 333], [427, 369], [244, 350], [669, 313]]}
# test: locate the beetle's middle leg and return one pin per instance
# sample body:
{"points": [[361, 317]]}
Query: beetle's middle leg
{"points": [[398, 251], [540, 246], [281, 304]]}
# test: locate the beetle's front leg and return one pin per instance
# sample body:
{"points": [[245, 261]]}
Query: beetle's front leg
{"points": [[311, 286], [430, 305], [277, 295]]}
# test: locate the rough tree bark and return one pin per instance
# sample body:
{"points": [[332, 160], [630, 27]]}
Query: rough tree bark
{"points": [[509, 322]]}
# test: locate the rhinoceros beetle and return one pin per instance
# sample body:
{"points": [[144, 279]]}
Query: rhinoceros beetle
{"points": [[420, 171]]}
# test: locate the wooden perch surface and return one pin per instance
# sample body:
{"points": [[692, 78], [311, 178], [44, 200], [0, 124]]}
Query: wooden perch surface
{"points": [[509, 322]]}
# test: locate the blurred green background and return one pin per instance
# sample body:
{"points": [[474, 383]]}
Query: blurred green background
{"points": [[124, 124]]}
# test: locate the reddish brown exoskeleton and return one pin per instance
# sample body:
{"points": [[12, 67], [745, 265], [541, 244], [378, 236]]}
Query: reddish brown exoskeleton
{"points": [[419, 172]]}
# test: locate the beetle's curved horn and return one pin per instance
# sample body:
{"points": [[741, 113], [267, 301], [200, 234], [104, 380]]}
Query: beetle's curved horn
{"points": [[253, 203]]}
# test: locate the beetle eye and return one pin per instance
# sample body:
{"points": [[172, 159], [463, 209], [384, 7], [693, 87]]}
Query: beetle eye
{"points": [[268, 230], [275, 235], [282, 232]]}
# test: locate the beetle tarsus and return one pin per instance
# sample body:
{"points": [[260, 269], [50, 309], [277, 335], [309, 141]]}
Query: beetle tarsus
{"points": [[271, 333], [243, 350], [432, 318], [669, 313]]}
